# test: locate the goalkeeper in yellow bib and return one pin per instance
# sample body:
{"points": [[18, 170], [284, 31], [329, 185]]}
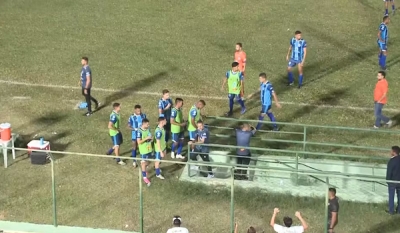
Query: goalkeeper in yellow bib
{"points": [[144, 140], [160, 145], [194, 117], [235, 88]]}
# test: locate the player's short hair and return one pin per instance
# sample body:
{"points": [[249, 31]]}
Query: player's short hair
{"points": [[287, 221], [200, 122], [116, 105], [177, 220], [263, 75], [202, 102], [332, 190], [240, 44], [85, 58], [297, 32], [251, 230], [165, 91], [137, 106], [161, 119], [145, 120], [234, 64], [396, 149], [385, 18], [177, 100], [383, 73]]}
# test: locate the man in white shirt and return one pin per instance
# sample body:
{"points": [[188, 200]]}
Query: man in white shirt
{"points": [[177, 221], [288, 224]]}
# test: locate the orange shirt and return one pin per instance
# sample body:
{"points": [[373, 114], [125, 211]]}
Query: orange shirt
{"points": [[381, 88], [240, 57]]}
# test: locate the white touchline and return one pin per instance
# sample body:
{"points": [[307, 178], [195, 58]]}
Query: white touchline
{"points": [[191, 96]]}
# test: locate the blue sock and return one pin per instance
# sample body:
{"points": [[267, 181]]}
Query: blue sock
{"points": [[393, 8], [133, 153], [144, 174], [118, 160], [180, 147], [386, 12], [259, 124], [241, 102], [173, 146], [158, 171], [290, 75], [110, 151], [300, 79], [272, 118], [231, 105], [383, 59]]}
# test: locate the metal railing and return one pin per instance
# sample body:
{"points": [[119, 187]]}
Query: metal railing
{"points": [[231, 167]]}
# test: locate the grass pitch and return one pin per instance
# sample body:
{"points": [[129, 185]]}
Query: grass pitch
{"points": [[185, 46]]}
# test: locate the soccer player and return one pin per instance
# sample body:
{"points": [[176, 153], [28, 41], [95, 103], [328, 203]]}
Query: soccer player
{"points": [[202, 137], [164, 110], [177, 129], [86, 83], [386, 2], [266, 93], [383, 36], [235, 88], [160, 145], [134, 123], [296, 56], [116, 136], [144, 140], [194, 117], [240, 57]]}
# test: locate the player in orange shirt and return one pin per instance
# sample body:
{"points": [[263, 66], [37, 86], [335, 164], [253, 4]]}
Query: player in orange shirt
{"points": [[380, 99], [240, 57]]}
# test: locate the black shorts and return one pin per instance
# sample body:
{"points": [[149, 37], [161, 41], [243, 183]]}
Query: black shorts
{"points": [[243, 159]]}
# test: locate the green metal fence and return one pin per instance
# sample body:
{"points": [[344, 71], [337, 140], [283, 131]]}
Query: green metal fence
{"points": [[231, 167]]}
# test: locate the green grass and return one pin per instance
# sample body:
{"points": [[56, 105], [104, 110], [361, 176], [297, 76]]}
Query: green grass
{"points": [[185, 46]]}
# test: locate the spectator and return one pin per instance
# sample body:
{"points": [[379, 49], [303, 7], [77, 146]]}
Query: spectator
{"points": [[250, 230], [393, 173], [288, 228], [177, 221], [333, 210], [243, 136]]}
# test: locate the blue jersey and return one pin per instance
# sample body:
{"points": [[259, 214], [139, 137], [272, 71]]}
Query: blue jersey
{"points": [[384, 33], [203, 134], [86, 72], [162, 104], [298, 47], [266, 90], [135, 121]]}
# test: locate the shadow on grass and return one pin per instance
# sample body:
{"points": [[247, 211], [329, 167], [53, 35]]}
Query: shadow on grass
{"points": [[134, 86], [391, 225]]}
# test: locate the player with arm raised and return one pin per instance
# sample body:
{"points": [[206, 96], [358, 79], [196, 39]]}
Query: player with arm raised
{"points": [[296, 56]]}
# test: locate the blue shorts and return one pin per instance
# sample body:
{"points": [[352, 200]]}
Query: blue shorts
{"points": [[265, 108], [157, 155], [234, 96], [134, 132], [382, 46], [117, 139], [192, 135], [293, 63], [178, 136], [146, 156]]}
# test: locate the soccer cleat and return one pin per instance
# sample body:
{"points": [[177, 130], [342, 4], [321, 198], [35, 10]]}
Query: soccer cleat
{"points": [[179, 156], [160, 177], [173, 155], [376, 127], [243, 111], [134, 164], [210, 176], [290, 84], [97, 105], [88, 114], [299, 87], [390, 123], [121, 162], [229, 114], [147, 181]]}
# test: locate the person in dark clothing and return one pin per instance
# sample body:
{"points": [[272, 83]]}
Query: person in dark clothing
{"points": [[202, 137], [393, 173], [333, 210], [86, 83], [243, 136]]}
